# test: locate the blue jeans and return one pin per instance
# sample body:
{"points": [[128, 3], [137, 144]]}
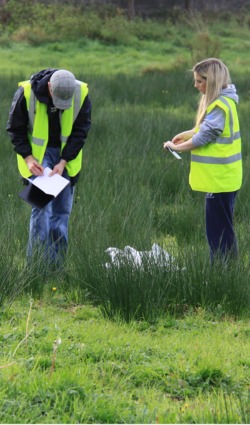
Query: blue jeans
{"points": [[219, 224], [48, 234]]}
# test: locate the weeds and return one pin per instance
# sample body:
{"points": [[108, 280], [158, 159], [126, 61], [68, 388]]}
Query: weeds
{"points": [[176, 371], [27, 322], [124, 198], [181, 357], [56, 344]]}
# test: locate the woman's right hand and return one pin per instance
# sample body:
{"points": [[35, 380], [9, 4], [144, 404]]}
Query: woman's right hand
{"points": [[179, 138], [183, 137]]}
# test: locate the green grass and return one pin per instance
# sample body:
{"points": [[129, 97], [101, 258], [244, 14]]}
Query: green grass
{"points": [[151, 345], [100, 58], [187, 370], [130, 194], [89, 57]]}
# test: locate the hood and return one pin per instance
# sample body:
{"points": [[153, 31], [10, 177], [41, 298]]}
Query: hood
{"points": [[39, 84], [230, 91]]}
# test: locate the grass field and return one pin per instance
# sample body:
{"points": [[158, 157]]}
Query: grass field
{"points": [[63, 363], [126, 345]]}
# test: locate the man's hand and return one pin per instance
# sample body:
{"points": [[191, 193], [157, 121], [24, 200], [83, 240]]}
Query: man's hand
{"points": [[58, 168], [35, 168]]}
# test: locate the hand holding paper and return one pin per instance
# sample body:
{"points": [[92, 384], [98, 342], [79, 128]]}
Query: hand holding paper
{"points": [[43, 189], [35, 168], [58, 168], [51, 185]]}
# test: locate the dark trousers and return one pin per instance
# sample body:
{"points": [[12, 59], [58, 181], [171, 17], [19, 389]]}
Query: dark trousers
{"points": [[219, 224]]}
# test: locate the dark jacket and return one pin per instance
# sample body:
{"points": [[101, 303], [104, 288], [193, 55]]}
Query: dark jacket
{"points": [[17, 126]]}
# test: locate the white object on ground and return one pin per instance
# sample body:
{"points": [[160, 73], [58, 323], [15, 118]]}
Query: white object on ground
{"points": [[157, 256]]}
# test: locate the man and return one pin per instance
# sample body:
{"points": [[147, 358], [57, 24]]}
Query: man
{"points": [[49, 120]]}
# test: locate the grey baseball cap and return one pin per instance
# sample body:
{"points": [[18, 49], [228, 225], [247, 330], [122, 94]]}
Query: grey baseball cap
{"points": [[63, 85]]}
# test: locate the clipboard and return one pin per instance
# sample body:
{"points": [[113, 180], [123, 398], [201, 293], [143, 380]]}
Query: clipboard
{"points": [[35, 196], [43, 189]]}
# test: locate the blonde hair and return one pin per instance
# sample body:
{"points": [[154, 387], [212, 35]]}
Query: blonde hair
{"points": [[217, 76]]}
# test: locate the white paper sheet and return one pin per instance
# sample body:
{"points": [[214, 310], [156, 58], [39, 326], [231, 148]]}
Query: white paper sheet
{"points": [[51, 185]]}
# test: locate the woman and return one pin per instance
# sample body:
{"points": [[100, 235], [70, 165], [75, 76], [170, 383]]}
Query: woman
{"points": [[215, 145]]}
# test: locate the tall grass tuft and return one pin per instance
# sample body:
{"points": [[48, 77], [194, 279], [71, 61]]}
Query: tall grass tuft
{"points": [[15, 277], [205, 46], [129, 193]]}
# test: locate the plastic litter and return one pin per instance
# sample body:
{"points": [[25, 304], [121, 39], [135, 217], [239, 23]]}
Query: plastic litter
{"points": [[156, 255]]}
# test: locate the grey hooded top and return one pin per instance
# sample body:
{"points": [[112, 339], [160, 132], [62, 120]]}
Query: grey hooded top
{"points": [[213, 124]]}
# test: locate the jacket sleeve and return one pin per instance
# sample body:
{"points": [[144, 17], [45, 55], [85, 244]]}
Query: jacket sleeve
{"points": [[210, 128], [79, 132], [17, 125]]}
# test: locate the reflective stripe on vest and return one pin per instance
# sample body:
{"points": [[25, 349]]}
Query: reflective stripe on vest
{"points": [[38, 129], [217, 166]]}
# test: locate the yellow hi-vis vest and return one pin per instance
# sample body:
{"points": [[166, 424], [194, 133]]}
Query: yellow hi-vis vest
{"points": [[38, 131], [217, 166]]}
